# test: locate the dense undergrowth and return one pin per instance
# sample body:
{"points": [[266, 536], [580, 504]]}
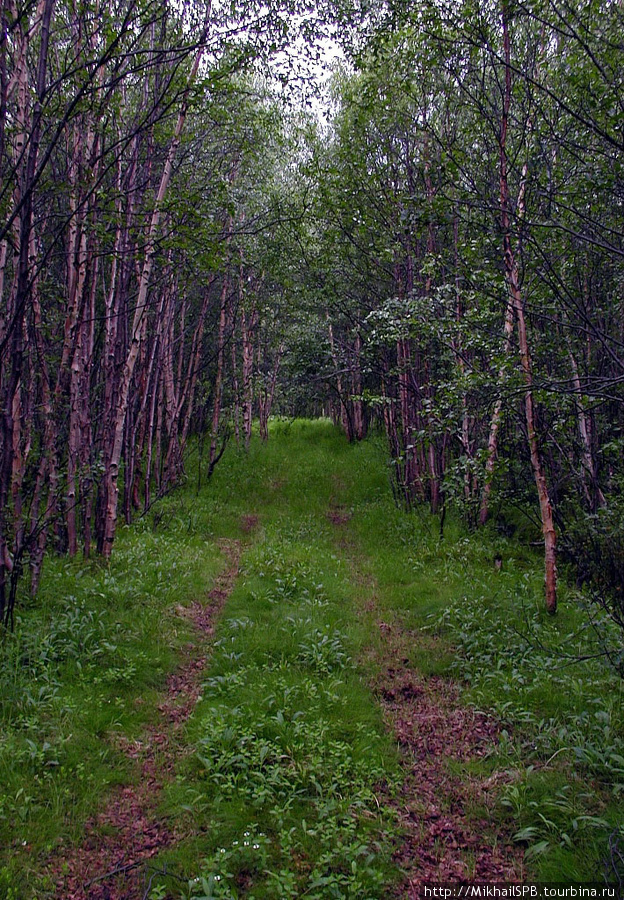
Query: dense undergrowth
{"points": [[280, 791], [551, 684]]}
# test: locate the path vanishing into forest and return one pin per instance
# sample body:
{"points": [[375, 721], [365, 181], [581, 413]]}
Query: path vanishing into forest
{"points": [[304, 607]]}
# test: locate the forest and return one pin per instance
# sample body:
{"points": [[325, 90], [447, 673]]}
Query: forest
{"points": [[315, 311]]}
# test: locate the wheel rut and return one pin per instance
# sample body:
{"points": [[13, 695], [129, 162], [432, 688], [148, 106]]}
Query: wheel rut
{"points": [[112, 862], [444, 811], [448, 834]]}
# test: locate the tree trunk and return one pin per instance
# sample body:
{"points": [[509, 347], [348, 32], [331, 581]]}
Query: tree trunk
{"points": [[111, 476], [495, 421], [190, 382], [517, 303], [268, 395], [359, 428], [247, 336], [218, 385]]}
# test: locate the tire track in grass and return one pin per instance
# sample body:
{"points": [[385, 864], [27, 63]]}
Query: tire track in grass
{"points": [[436, 734], [112, 861], [279, 738]]}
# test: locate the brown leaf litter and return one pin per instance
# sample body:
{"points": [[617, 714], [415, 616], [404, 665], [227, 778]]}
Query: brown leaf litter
{"points": [[449, 836]]}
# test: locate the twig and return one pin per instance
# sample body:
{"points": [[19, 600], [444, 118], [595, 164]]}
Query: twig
{"points": [[119, 870]]}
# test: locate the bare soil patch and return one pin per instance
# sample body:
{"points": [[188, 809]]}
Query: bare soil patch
{"points": [[249, 522], [111, 863], [449, 835], [339, 515]]}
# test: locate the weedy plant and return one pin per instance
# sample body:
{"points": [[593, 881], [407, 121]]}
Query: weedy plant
{"points": [[562, 704], [548, 681], [275, 737]]}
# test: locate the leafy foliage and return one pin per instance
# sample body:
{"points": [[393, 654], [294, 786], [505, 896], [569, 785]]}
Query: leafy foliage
{"points": [[558, 695]]}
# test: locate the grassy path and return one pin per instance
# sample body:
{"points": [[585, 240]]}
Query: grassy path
{"points": [[129, 831], [251, 702], [295, 760]]}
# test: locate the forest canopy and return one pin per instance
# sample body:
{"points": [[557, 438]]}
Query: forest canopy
{"points": [[184, 250]]}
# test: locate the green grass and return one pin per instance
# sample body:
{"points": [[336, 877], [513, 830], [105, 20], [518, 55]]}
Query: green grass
{"points": [[547, 680], [94, 642], [285, 764], [283, 792]]}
